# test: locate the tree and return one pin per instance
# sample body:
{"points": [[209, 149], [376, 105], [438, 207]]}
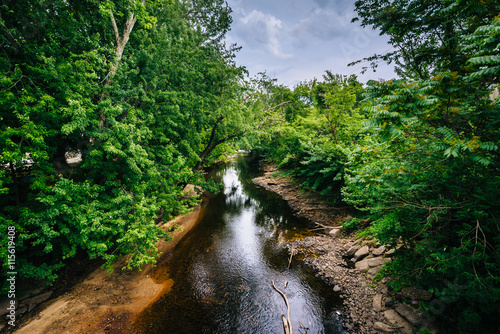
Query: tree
{"points": [[427, 35], [131, 85], [429, 178]]}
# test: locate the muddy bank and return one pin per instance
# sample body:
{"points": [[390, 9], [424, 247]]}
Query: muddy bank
{"points": [[103, 302], [348, 264], [308, 205]]}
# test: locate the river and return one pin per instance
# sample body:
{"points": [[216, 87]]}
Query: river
{"points": [[221, 272]]}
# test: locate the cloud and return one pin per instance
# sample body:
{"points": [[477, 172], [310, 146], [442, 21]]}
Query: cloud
{"points": [[259, 30], [337, 5], [318, 33], [321, 25]]}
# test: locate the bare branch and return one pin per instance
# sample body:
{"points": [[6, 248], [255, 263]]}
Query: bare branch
{"points": [[115, 27], [287, 324], [277, 106]]}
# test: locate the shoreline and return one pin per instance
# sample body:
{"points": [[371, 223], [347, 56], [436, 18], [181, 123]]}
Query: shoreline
{"points": [[105, 302], [348, 264]]}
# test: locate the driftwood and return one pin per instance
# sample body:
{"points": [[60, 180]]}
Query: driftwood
{"points": [[321, 227], [287, 323], [292, 253]]}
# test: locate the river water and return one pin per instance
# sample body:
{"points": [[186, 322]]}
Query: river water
{"points": [[221, 272]]}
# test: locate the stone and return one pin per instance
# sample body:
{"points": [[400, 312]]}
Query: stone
{"points": [[362, 265], [388, 302], [379, 251], [410, 314], [353, 249], [414, 293], [335, 232], [374, 271], [377, 261], [399, 322], [380, 326], [377, 303], [337, 288], [362, 252], [38, 299], [390, 252], [358, 241]]}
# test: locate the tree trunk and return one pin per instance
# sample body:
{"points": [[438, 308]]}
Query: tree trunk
{"points": [[121, 42]]}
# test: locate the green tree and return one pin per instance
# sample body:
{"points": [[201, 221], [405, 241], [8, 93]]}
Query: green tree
{"points": [[430, 178], [135, 88]]}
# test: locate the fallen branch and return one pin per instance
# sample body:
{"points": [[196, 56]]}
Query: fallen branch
{"points": [[292, 253], [287, 324]]}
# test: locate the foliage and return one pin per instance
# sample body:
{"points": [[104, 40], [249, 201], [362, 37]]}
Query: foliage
{"points": [[138, 107], [430, 177], [314, 143]]}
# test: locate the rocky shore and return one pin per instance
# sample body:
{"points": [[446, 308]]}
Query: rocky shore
{"points": [[349, 265]]}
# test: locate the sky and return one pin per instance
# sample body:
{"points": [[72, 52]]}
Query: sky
{"points": [[298, 40]]}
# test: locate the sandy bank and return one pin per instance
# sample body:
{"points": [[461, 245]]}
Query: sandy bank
{"points": [[106, 302]]}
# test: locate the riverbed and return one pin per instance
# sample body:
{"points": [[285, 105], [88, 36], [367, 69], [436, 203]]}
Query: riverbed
{"points": [[221, 273]]}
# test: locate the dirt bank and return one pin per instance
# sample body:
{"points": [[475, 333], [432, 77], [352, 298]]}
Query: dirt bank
{"points": [[104, 302], [347, 263]]}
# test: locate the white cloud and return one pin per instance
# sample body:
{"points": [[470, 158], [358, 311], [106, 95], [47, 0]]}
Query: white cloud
{"points": [[262, 30], [323, 25], [297, 40]]}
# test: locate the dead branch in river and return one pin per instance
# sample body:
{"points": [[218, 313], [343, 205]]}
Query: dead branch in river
{"points": [[287, 323]]}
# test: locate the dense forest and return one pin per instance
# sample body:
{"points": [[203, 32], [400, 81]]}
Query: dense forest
{"points": [[147, 93]]}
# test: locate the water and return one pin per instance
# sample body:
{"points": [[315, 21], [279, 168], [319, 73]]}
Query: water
{"points": [[222, 270]]}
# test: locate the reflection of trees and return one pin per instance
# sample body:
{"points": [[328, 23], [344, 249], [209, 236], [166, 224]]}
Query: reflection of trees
{"points": [[271, 211]]}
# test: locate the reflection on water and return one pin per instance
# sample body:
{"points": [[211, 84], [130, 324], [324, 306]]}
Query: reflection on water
{"points": [[222, 270]]}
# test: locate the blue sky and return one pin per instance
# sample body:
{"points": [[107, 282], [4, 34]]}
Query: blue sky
{"points": [[297, 40]]}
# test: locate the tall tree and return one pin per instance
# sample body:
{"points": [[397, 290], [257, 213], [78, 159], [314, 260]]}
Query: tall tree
{"points": [[133, 86], [430, 180]]}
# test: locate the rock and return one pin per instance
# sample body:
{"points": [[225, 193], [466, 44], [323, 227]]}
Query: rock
{"points": [[399, 322], [388, 302], [390, 252], [335, 232], [38, 299], [337, 288], [374, 271], [377, 303], [358, 241], [362, 265], [362, 252], [353, 249], [410, 314], [379, 251], [377, 261], [380, 326], [414, 293]]}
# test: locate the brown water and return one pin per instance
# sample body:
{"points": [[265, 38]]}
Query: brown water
{"points": [[222, 269]]}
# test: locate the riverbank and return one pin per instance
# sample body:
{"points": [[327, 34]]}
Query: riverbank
{"points": [[102, 302], [348, 264]]}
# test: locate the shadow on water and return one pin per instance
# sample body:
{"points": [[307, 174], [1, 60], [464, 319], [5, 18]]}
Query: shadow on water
{"points": [[222, 269]]}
